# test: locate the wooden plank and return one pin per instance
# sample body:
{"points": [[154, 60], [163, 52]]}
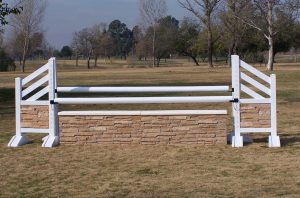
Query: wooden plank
{"points": [[145, 100], [256, 72], [35, 74], [255, 83], [35, 85], [250, 92], [35, 103], [39, 94], [255, 101], [256, 130], [146, 113], [34, 130], [162, 89]]}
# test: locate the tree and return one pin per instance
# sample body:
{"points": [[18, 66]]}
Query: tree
{"points": [[187, 38], [97, 32], [5, 10], [108, 45], [203, 10], [151, 11], [66, 51], [264, 17], [233, 27], [6, 63], [122, 37], [28, 23], [82, 42], [167, 31], [137, 37], [35, 47]]}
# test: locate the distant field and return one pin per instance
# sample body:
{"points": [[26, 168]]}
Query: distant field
{"points": [[159, 171]]}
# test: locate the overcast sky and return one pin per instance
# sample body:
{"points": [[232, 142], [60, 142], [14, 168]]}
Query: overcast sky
{"points": [[63, 17]]}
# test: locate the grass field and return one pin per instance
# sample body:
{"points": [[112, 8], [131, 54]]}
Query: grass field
{"points": [[153, 171]]}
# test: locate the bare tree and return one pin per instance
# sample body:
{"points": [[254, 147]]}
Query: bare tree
{"points": [[234, 28], [96, 34], [28, 23], [108, 45], [203, 10], [264, 18], [151, 11], [83, 44]]}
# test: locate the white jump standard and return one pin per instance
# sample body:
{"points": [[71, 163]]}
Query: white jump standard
{"points": [[46, 115]]}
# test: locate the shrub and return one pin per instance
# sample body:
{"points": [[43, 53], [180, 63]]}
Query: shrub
{"points": [[6, 63]]}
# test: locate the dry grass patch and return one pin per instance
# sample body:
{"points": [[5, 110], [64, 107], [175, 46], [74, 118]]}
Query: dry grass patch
{"points": [[154, 171]]}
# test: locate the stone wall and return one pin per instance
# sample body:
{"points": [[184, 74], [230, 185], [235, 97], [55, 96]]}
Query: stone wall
{"points": [[255, 115], [192, 129], [35, 117]]}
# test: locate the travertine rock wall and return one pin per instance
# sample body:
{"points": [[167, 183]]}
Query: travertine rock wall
{"points": [[191, 129], [255, 115], [35, 117], [194, 129]]}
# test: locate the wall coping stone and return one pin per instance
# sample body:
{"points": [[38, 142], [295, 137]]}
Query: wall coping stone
{"points": [[145, 113]]}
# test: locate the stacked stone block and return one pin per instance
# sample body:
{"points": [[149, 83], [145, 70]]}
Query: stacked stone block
{"points": [[255, 115], [35, 117], [148, 130]]}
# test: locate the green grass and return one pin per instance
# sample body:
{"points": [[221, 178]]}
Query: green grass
{"points": [[153, 171]]}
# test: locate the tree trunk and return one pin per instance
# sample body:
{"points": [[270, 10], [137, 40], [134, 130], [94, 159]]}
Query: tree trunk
{"points": [[96, 60], [209, 43], [88, 62], [158, 62], [153, 45], [270, 36], [77, 60], [271, 55], [195, 60], [25, 47]]}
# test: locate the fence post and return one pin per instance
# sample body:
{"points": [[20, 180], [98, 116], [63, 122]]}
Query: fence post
{"points": [[237, 139], [274, 140], [52, 139], [18, 139]]}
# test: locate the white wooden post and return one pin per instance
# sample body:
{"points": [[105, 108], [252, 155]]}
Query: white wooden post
{"points": [[18, 96], [237, 139], [18, 139], [274, 140], [52, 139]]}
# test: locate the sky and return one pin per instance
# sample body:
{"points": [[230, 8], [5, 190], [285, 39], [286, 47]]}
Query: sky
{"points": [[64, 17]]}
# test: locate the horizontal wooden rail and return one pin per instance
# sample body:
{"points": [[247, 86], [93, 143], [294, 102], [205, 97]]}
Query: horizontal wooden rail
{"points": [[144, 100], [142, 89]]}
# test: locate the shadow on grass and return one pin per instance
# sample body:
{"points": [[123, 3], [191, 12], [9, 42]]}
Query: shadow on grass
{"points": [[288, 140], [284, 140], [7, 95]]}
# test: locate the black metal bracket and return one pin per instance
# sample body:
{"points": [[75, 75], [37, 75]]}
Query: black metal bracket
{"points": [[235, 100], [232, 90], [52, 102], [55, 90]]}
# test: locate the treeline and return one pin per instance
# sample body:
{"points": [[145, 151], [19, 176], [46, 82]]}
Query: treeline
{"points": [[186, 38], [256, 30]]}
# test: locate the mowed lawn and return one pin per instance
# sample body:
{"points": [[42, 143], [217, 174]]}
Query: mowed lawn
{"points": [[154, 171]]}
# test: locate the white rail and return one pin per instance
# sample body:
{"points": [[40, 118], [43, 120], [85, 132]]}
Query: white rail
{"points": [[255, 72], [144, 100], [35, 74], [169, 89], [146, 113]]}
